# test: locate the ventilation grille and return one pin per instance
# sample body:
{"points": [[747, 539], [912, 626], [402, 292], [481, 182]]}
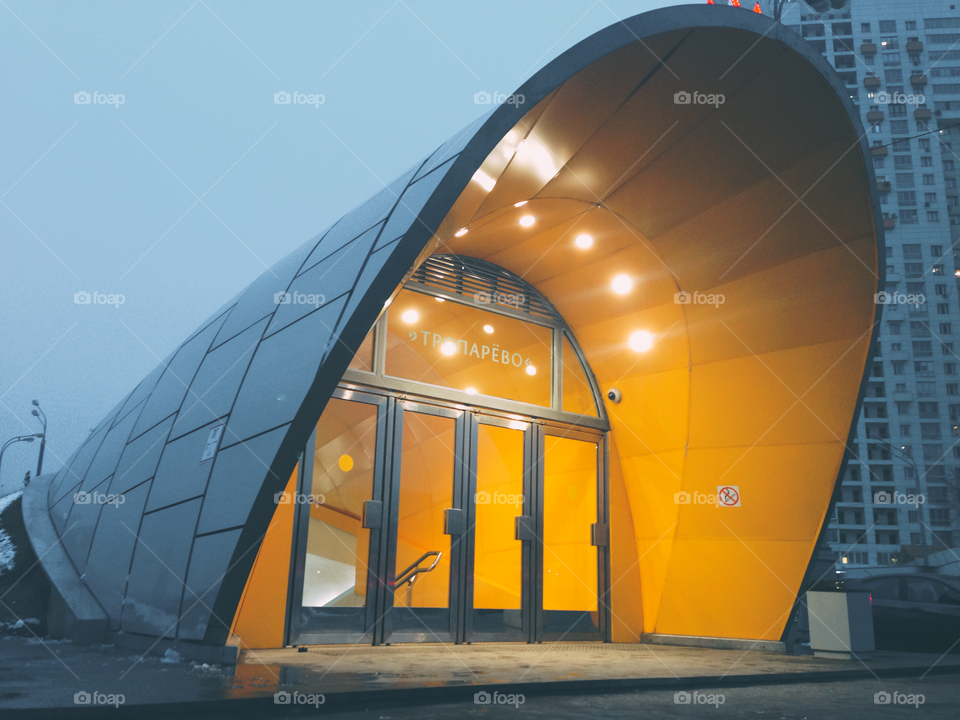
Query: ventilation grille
{"points": [[483, 283]]}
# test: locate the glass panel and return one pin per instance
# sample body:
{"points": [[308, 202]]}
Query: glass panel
{"points": [[577, 393], [498, 556], [335, 576], [569, 560], [426, 490], [363, 360], [467, 348]]}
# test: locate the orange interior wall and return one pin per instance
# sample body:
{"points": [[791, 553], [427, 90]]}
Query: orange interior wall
{"points": [[263, 606]]}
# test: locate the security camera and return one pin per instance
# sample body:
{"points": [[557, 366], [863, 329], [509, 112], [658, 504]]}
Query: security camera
{"points": [[614, 395]]}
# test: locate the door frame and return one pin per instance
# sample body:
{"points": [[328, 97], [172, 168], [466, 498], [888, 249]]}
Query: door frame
{"points": [[380, 565], [601, 534], [301, 520], [387, 634]]}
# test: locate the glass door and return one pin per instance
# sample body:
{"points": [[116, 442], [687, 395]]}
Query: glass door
{"points": [[573, 537], [427, 521], [498, 590], [337, 523]]}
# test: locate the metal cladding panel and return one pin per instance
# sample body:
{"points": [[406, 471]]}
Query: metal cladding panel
{"points": [[172, 388], [281, 374], [214, 389], [108, 455], [259, 299], [109, 560], [237, 480], [140, 457], [82, 521], [358, 221], [77, 469], [208, 565], [152, 602], [182, 474], [273, 405]]}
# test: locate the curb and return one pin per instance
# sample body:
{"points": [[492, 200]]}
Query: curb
{"points": [[357, 700]]}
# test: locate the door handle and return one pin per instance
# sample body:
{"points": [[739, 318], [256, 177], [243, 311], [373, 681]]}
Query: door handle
{"points": [[523, 528], [372, 514], [599, 534], [454, 521]]}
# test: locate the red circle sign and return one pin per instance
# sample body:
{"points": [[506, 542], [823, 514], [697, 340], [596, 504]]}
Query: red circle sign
{"points": [[728, 496]]}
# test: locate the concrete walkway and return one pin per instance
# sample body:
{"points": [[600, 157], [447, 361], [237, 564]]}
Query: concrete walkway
{"points": [[35, 675]]}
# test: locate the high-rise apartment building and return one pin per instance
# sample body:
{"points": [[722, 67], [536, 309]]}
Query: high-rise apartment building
{"points": [[901, 64]]}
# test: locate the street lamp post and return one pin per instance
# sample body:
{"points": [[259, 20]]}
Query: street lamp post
{"points": [[40, 415], [18, 438], [899, 452]]}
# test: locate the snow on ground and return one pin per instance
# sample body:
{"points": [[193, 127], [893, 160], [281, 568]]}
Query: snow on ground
{"points": [[7, 548], [4, 501]]}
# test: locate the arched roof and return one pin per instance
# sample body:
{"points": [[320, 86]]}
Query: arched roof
{"points": [[766, 199]]}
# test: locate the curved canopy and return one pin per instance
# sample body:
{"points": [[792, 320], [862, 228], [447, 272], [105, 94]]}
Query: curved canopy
{"points": [[748, 229]]}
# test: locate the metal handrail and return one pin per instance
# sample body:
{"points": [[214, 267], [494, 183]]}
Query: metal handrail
{"points": [[410, 574]]}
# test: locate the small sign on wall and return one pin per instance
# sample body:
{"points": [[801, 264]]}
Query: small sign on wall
{"points": [[728, 496], [213, 441]]}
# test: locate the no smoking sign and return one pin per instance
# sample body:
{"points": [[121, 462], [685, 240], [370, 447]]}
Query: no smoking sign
{"points": [[728, 496]]}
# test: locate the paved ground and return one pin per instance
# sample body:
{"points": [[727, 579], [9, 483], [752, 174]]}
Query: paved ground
{"points": [[559, 680]]}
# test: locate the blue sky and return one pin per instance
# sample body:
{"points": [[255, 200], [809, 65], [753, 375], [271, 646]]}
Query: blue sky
{"points": [[178, 197]]}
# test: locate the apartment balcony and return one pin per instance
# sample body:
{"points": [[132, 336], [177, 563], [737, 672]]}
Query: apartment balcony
{"points": [[922, 113], [883, 186], [875, 116], [889, 223], [953, 209], [868, 49], [871, 82], [879, 151], [918, 80], [915, 46], [904, 396]]}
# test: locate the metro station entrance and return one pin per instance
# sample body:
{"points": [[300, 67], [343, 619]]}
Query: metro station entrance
{"points": [[438, 514]]}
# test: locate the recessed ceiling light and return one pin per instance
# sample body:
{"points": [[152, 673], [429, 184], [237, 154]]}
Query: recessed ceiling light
{"points": [[531, 370], [583, 241], [460, 233], [471, 391], [488, 329], [448, 348], [527, 220], [622, 284], [439, 299], [640, 341], [520, 204], [410, 316]]}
